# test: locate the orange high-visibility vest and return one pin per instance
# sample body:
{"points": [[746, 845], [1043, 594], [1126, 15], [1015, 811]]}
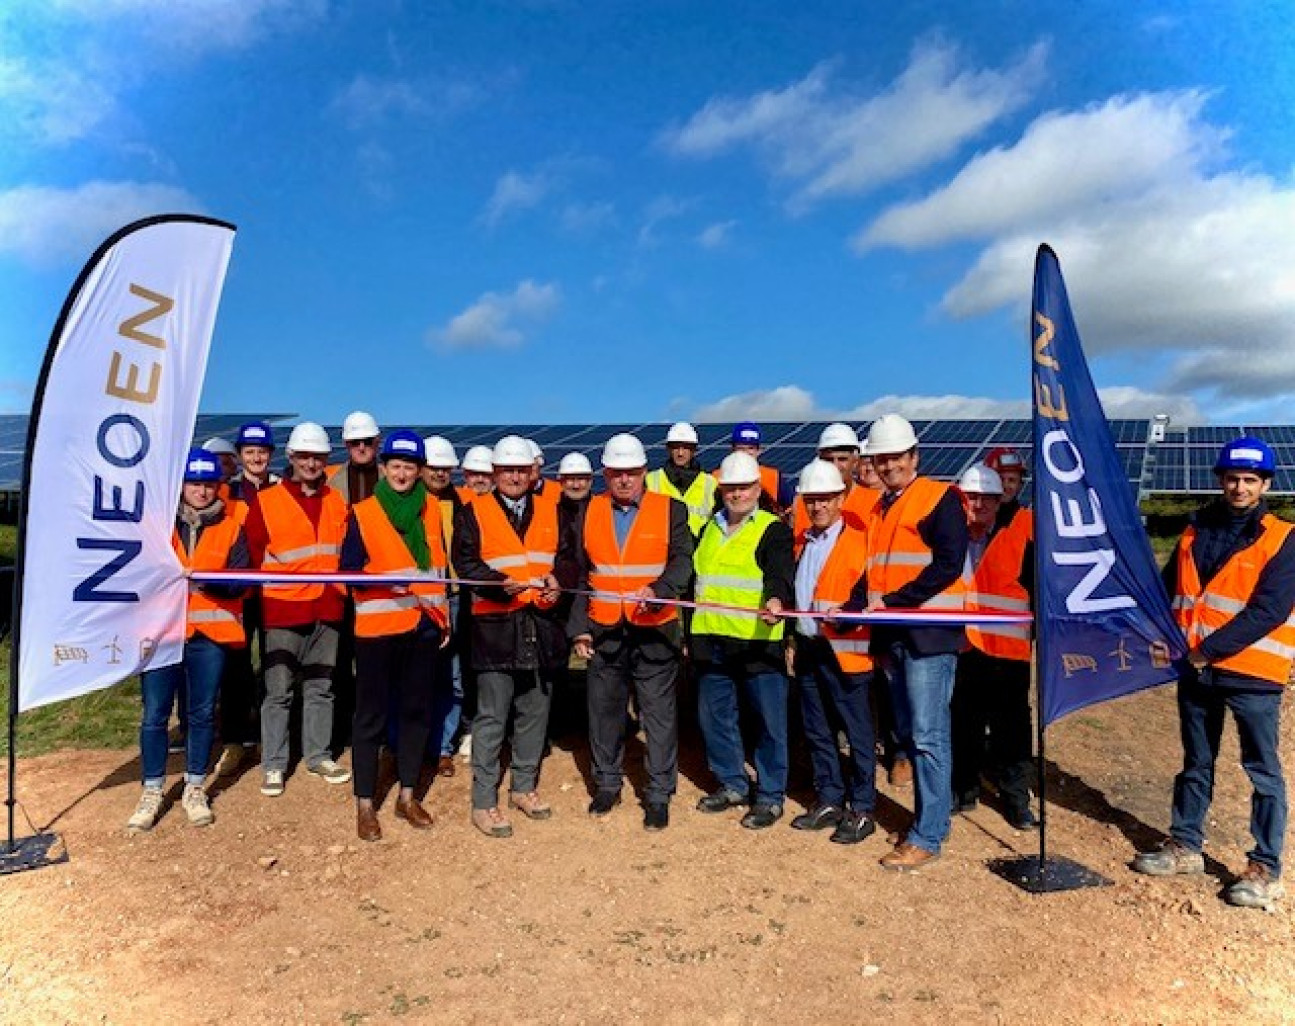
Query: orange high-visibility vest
{"points": [[996, 587], [647, 548], [220, 619], [521, 559], [845, 565], [380, 612], [855, 511], [1200, 611], [296, 545], [897, 553]]}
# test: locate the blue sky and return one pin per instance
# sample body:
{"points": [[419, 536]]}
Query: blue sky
{"points": [[559, 211]]}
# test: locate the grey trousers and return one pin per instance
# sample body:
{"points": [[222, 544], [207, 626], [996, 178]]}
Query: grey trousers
{"points": [[292, 654], [528, 694]]}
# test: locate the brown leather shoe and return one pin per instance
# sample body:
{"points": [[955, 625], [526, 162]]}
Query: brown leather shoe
{"points": [[530, 804], [491, 822], [907, 857], [413, 813], [367, 826], [445, 766], [900, 774]]}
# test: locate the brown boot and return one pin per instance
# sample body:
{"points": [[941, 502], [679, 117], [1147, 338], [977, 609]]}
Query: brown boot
{"points": [[367, 827], [445, 766], [908, 857], [413, 813], [491, 822], [530, 804], [901, 773]]}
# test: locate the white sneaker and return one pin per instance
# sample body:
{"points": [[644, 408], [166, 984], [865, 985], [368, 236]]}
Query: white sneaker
{"points": [[272, 785], [231, 757], [328, 770], [196, 806], [147, 811], [465, 747]]}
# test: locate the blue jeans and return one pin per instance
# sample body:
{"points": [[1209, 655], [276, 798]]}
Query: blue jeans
{"points": [[718, 711], [197, 676], [922, 689], [823, 687], [1200, 718]]}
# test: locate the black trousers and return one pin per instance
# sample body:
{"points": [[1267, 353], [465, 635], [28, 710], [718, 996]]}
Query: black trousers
{"points": [[647, 659], [992, 694], [393, 673], [240, 688]]}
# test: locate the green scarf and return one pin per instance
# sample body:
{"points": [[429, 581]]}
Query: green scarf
{"points": [[406, 515]]}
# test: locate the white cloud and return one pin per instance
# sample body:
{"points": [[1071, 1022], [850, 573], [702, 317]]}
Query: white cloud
{"points": [[660, 210], [792, 403], [1065, 161], [716, 236], [515, 191], [830, 141], [50, 103], [43, 225], [201, 25], [588, 218], [369, 101], [493, 320]]}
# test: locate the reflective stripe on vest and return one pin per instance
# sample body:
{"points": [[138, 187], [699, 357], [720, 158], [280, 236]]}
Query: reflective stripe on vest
{"points": [[1202, 610], [841, 572], [996, 587], [728, 574], [296, 544], [699, 497], [622, 571], [898, 553], [523, 560], [381, 612], [219, 618]]}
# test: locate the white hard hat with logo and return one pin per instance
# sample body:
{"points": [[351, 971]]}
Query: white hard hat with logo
{"points": [[739, 468], [440, 453], [359, 425], [820, 478], [890, 433], [309, 437], [536, 452], [478, 459], [838, 436], [575, 464], [624, 452], [682, 432], [979, 479], [512, 451]]}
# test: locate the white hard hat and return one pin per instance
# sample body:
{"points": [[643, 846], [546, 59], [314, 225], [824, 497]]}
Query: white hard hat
{"points": [[624, 452], [511, 451], [838, 436], [536, 452], [739, 468], [309, 437], [440, 453], [359, 425], [682, 432], [478, 459], [979, 479], [890, 433], [820, 478], [220, 446], [574, 463]]}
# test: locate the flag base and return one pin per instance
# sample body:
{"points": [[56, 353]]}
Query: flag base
{"points": [[1046, 876], [35, 852]]}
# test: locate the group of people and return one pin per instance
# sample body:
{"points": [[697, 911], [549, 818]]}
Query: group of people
{"points": [[735, 580]]}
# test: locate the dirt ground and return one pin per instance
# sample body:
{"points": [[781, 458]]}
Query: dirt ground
{"points": [[276, 914]]}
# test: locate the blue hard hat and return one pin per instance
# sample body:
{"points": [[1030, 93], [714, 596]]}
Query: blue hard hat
{"points": [[746, 433], [202, 465], [256, 432], [403, 444], [1247, 453]]}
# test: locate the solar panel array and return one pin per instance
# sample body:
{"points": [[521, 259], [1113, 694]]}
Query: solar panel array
{"points": [[1181, 463]]}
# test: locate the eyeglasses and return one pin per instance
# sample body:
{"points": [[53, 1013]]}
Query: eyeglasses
{"points": [[820, 500], [621, 472], [361, 443]]}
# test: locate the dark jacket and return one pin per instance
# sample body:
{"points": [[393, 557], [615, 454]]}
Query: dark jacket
{"points": [[944, 530], [528, 639], [1219, 536], [672, 584]]}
